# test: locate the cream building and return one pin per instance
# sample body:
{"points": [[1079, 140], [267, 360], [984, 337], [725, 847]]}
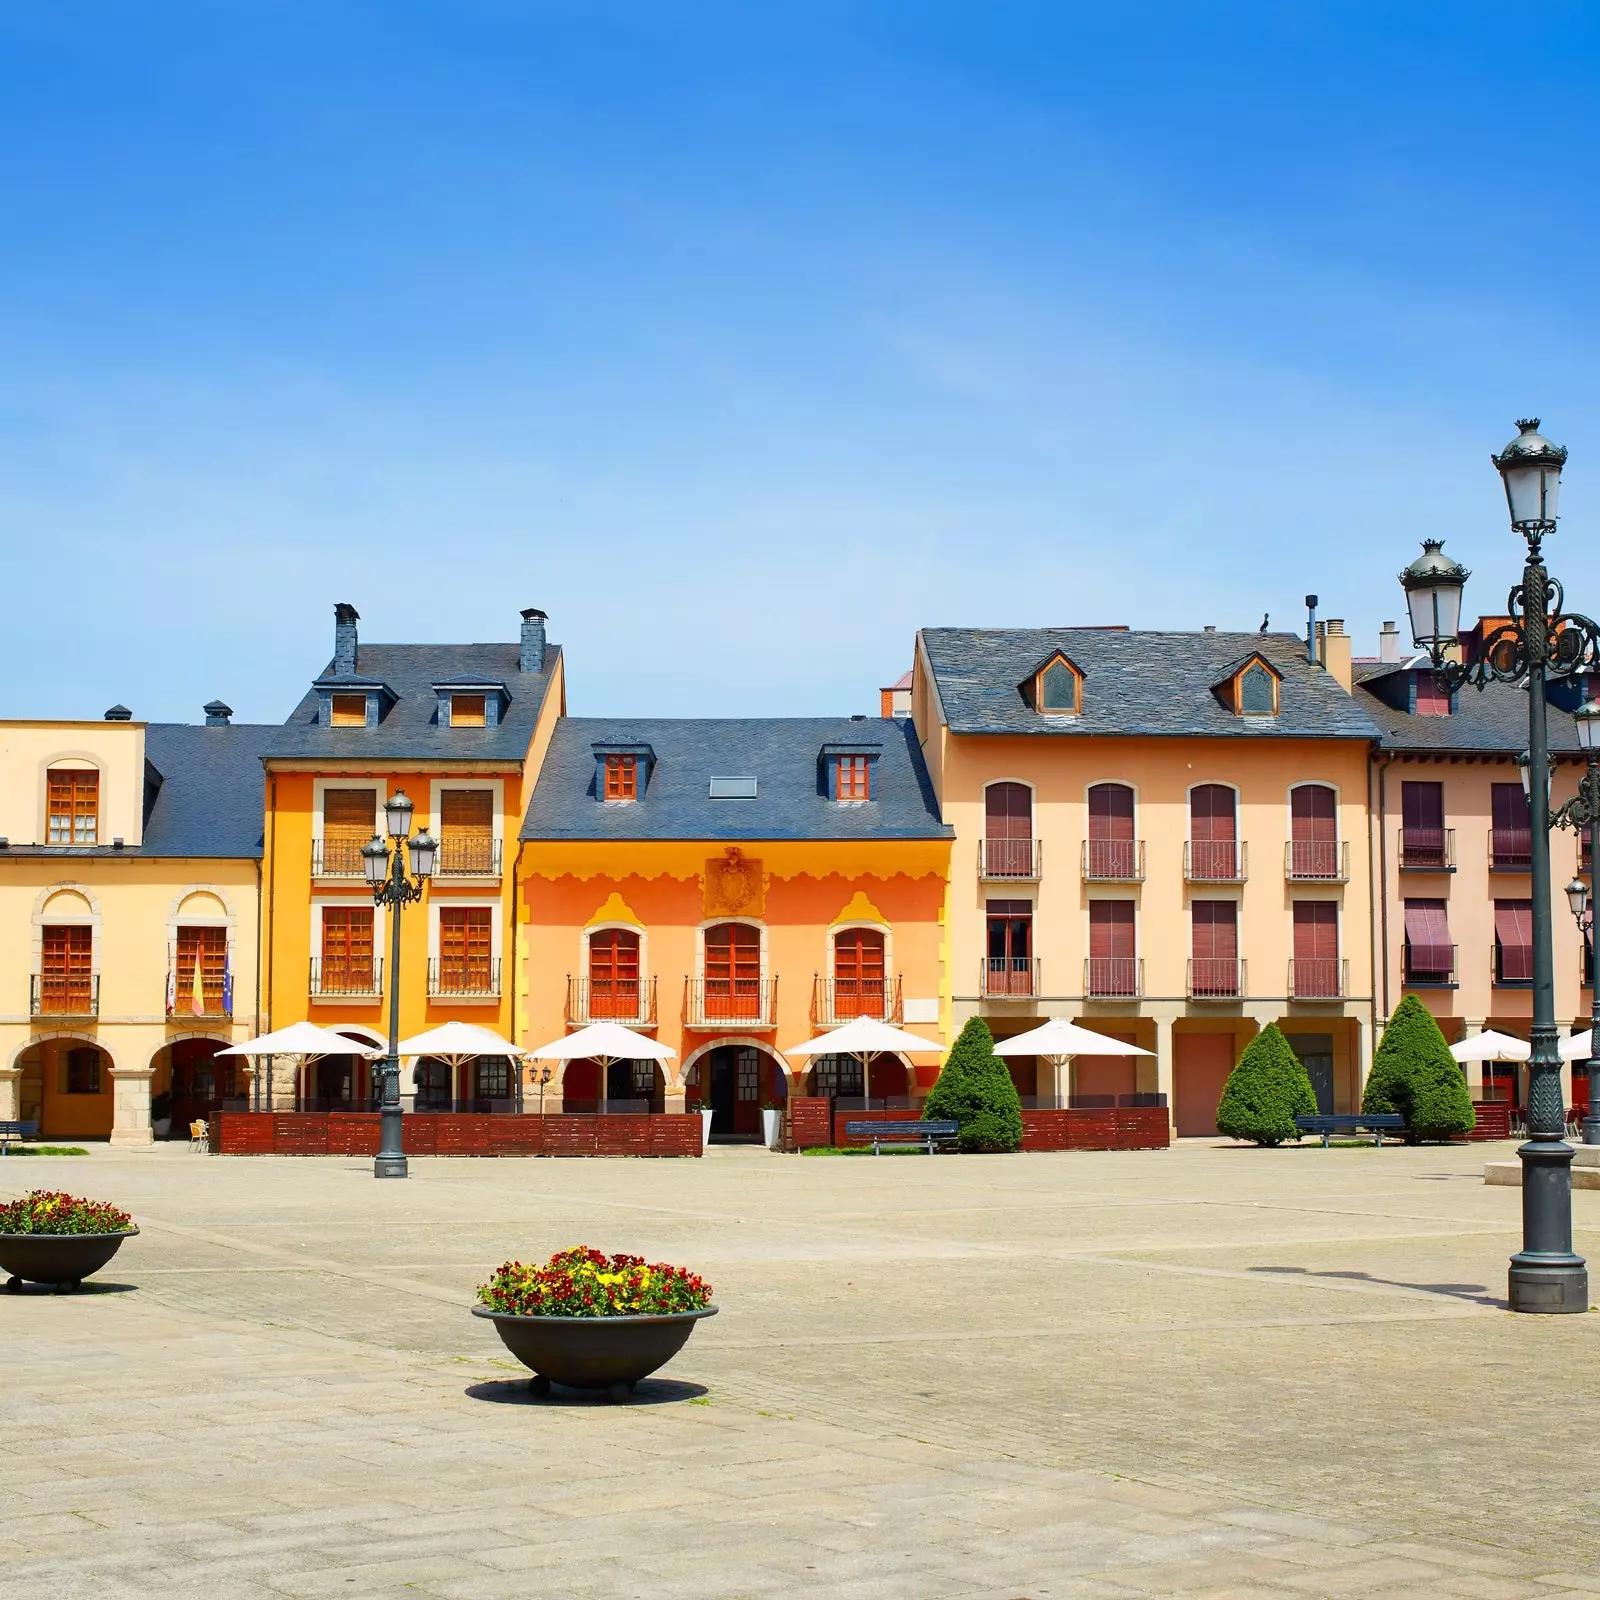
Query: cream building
{"points": [[130, 858]]}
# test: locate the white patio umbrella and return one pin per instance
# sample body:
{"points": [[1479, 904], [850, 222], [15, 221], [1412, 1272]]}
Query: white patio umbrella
{"points": [[604, 1042], [1491, 1046], [864, 1038], [305, 1041], [455, 1043], [1058, 1039]]}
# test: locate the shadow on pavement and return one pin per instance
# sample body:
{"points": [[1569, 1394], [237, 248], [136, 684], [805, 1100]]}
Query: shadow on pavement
{"points": [[518, 1392], [84, 1288], [1478, 1293]]}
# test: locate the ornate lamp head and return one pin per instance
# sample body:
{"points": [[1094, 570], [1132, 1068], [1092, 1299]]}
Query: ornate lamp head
{"points": [[1433, 584], [1531, 467]]}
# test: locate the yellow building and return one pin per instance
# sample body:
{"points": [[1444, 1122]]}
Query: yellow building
{"points": [[130, 859], [458, 729]]}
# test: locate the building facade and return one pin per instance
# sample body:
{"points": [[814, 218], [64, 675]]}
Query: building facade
{"points": [[732, 887], [1161, 837]]}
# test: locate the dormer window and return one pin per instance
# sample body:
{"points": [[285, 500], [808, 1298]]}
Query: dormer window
{"points": [[851, 780], [348, 711], [622, 777], [1250, 688], [1055, 688], [74, 805], [467, 710]]}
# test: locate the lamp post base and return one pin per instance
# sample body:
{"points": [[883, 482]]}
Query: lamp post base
{"points": [[390, 1161], [1548, 1287], [387, 1164], [1591, 1130], [1546, 1277]]}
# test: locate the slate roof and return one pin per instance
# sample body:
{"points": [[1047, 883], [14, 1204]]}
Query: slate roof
{"points": [[1135, 684], [1491, 721], [781, 753], [410, 729]]}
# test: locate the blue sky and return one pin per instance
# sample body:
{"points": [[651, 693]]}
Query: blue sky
{"points": [[747, 338]]}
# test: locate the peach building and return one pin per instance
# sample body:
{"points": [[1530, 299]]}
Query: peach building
{"points": [[732, 887], [1162, 837], [130, 864], [458, 729], [1451, 832]]}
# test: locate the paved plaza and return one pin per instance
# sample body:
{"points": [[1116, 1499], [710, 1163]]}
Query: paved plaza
{"points": [[1203, 1371]]}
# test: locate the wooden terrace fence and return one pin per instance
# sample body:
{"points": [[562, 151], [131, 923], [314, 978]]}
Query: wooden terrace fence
{"points": [[355, 1133]]}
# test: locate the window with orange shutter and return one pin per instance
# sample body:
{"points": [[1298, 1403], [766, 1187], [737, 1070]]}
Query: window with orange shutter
{"points": [[347, 949], [622, 778], [73, 806], [466, 940], [66, 967], [466, 830], [348, 822], [851, 780]]}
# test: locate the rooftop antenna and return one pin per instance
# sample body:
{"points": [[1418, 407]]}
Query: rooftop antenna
{"points": [[1311, 629]]}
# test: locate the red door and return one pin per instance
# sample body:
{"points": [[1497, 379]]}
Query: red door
{"points": [[1009, 962], [733, 971], [858, 974], [613, 973], [1201, 1064]]}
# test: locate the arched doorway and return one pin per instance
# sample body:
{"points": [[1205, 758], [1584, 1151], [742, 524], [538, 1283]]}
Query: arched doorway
{"points": [[197, 1081], [734, 1082], [66, 1087]]}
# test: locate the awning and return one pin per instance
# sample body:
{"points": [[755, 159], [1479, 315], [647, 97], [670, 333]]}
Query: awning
{"points": [[1513, 932], [1428, 934]]}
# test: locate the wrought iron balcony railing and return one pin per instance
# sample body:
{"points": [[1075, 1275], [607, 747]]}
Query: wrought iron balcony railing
{"points": [[216, 993], [1317, 860], [1216, 978], [468, 856], [1020, 860], [58, 995], [337, 858], [631, 1001], [1113, 860], [1319, 978], [450, 977], [730, 1003], [1215, 861], [836, 1000], [1510, 849], [1427, 850], [1430, 966], [1009, 977], [1113, 977], [342, 976]]}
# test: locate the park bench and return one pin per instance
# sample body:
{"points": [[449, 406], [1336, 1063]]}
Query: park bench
{"points": [[1376, 1124], [16, 1130], [928, 1133]]}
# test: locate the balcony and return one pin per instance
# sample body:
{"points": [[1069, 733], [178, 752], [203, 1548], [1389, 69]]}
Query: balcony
{"points": [[729, 1004], [216, 993], [1113, 860], [1215, 861], [1319, 978], [468, 856], [1512, 965], [1010, 860], [630, 1001], [337, 858], [1427, 849], [1009, 978], [1511, 849], [1113, 977], [838, 1000], [343, 979], [58, 995], [1316, 861], [454, 979], [1216, 978], [1431, 967]]}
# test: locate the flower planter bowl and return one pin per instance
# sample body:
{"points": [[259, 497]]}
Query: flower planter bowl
{"points": [[609, 1353], [64, 1259]]}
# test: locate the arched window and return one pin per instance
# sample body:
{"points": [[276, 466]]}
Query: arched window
{"points": [[859, 983], [613, 973], [1111, 846], [733, 971], [1213, 833], [1008, 831], [1313, 832]]}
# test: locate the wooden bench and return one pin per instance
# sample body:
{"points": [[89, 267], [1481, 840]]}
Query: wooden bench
{"points": [[928, 1133], [16, 1130], [1376, 1124]]}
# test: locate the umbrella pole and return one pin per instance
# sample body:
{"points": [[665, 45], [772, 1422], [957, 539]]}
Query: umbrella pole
{"points": [[866, 1078]]}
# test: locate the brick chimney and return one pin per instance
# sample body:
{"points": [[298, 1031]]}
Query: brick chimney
{"points": [[345, 618], [1388, 642], [532, 657], [218, 715]]}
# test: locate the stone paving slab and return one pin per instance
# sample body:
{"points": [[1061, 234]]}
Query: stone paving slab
{"points": [[1198, 1371]]}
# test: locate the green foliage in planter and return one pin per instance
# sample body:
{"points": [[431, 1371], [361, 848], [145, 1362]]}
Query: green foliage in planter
{"points": [[45, 1211], [975, 1091], [45, 1150], [1414, 1073], [1266, 1091]]}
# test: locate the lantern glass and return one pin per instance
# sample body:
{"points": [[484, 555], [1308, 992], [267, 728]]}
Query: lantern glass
{"points": [[1433, 584], [1525, 772], [375, 859], [1531, 468], [1587, 720], [1578, 897], [397, 811], [424, 853]]}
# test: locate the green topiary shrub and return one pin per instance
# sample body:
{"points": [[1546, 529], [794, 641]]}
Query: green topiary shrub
{"points": [[975, 1091], [1414, 1073], [1266, 1092]]}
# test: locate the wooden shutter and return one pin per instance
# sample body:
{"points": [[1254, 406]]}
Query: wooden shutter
{"points": [[1215, 930], [73, 796], [1511, 838], [466, 938], [208, 946], [347, 824], [66, 966], [733, 970], [858, 969], [346, 948], [1312, 816], [1422, 805], [614, 973], [1110, 811], [1112, 966], [1008, 811], [1316, 930], [1211, 813]]}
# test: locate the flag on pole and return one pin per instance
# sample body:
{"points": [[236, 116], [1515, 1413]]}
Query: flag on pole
{"points": [[197, 1003]]}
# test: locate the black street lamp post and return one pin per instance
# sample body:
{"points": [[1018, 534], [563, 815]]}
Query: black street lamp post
{"points": [[1541, 642], [1583, 811], [392, 887]]}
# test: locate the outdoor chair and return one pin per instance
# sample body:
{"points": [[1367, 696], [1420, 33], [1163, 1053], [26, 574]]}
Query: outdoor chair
{"points": [[200, 1136]]}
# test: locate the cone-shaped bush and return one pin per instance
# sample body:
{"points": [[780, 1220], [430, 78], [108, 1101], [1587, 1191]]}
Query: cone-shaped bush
{"points": [[1414, 1073], [975, 1091], [1266, 1092]]}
